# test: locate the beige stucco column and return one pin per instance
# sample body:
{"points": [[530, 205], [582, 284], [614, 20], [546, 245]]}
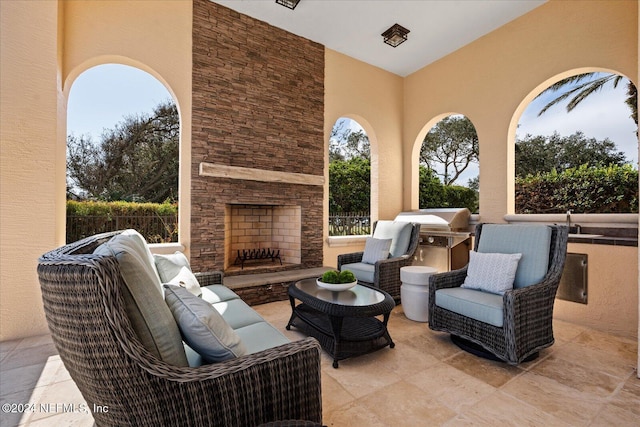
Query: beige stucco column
{"points": [[33, 168]]}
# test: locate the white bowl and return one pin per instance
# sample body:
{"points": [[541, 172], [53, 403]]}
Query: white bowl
{"points": [[336, 286]]}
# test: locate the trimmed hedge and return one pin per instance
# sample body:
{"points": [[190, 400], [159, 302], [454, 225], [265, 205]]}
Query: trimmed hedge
{"points": [[157, 222], [612, 189], [120, 208]]}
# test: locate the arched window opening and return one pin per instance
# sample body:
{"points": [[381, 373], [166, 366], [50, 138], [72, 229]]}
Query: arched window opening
{"points": [[122, 155], [448, 165], [576, 147], [349, 179]]}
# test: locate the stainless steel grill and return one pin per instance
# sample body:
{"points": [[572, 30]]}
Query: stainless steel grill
{"points": [[445, 240]]}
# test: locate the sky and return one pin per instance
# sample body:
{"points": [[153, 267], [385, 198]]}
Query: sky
{"points": [[102, 96], [602, 115]]}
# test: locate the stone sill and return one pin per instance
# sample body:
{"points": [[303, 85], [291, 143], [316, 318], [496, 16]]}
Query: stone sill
{"points": [[340, 241], [166, 248]]}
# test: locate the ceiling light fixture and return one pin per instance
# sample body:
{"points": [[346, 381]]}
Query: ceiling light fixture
{"points": [[395, 35], [291, 4]]}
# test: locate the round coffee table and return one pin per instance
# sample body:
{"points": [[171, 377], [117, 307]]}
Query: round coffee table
{"points": [[343, 322]]}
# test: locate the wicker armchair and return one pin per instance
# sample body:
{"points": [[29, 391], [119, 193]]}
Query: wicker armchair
{"points": [[386, 274], [527, 311], [84, 307]]}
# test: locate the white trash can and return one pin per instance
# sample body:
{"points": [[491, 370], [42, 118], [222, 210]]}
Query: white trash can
{"points": [[414, 291]]}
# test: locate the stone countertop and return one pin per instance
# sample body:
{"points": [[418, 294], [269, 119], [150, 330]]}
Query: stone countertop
{"points": [[599, 239]]}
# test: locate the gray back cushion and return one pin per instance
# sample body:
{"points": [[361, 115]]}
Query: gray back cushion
{"points": [[399, 233], [532, 241], [203, 328], [144, 302]]}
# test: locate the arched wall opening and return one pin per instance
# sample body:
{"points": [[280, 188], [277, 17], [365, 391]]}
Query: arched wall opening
{"points": [[464, 170], [349, 162], [526, 102], [184, 136], [374, 162]]}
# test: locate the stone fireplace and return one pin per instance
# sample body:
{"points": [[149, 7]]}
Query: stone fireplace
{"points": [[255, 231], [257, 143]]}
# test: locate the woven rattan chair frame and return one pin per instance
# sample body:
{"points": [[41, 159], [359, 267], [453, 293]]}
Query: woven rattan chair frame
{"points": [[387, 272], [84, 307], [528, 312]]}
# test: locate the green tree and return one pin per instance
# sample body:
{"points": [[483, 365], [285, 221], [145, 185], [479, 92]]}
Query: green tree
{"points": [[433, 194], [430, 189], [579, 87], [539, 154], [137, 160], [345, 144], [349, 185], [451, 144]]}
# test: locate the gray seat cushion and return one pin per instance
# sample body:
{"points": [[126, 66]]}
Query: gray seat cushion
{"points": [[482, 306], [361, 270], [217, 293], [237, 313], [260, 336]]}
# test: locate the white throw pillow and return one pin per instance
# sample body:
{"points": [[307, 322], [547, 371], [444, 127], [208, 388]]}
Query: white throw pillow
{"points": [[186, 279], [376, 250], [491, 272], [169, 265], [202, 327], [174, 269]]}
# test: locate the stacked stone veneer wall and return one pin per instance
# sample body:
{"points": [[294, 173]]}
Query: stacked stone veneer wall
{"points": [[258, 102]]}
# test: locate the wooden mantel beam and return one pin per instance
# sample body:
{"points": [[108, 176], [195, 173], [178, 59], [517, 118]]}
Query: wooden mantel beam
{"points": [[263, 175]]}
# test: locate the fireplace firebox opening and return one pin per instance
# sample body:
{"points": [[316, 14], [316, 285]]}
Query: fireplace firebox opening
{"points": [[261, 229]]}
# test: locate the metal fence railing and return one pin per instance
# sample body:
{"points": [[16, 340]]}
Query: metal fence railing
{"points": [[349, 224], [155, 228]]}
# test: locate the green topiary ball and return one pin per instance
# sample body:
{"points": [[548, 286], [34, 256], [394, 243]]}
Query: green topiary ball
{"points": [[347, 277], [331, 276]]}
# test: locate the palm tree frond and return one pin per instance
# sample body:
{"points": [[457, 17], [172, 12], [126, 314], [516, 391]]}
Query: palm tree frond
{"points": [[579, 92]]}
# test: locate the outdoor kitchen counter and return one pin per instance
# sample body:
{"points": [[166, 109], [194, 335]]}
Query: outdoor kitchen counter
{"points": [[599, 239], [594, 229]]}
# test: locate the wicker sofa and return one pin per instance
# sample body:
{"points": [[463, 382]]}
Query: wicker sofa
{"points": [[117, 363]]}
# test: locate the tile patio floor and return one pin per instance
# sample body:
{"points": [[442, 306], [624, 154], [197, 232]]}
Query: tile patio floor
{"points": [[587, 378]]}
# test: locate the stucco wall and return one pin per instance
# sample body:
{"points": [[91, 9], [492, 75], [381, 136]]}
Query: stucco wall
{"points": [[29, 160], [612, 273], [492, 79], [103, 31], [45, 46], [373, 97]]}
